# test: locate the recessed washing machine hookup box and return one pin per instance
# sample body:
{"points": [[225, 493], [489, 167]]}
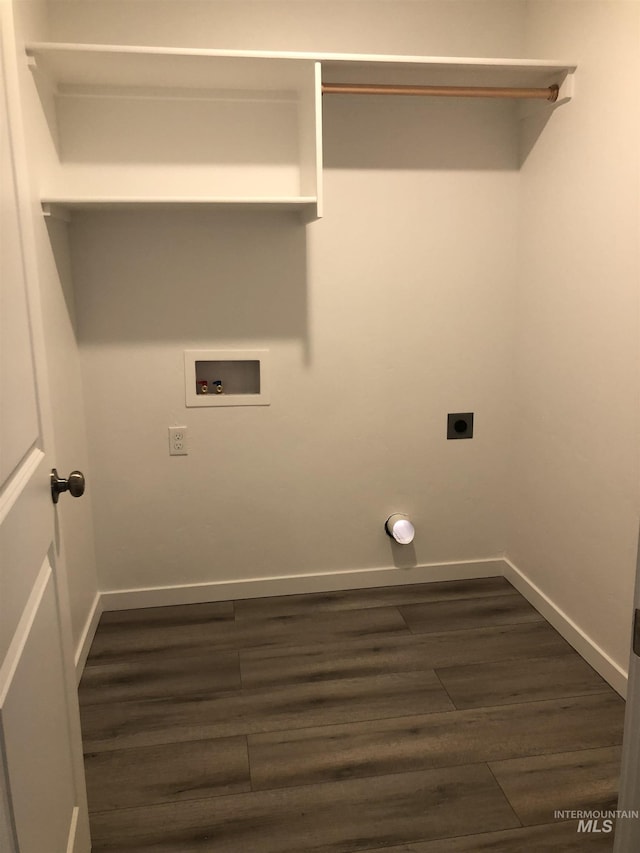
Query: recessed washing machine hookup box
{"points": [[226, 378]]}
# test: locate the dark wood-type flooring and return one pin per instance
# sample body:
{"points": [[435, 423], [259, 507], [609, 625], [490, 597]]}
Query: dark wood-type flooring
{"points": [[434, 718]]}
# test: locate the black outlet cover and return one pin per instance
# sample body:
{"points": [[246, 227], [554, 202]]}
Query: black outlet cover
{"points": [[460, 425]]}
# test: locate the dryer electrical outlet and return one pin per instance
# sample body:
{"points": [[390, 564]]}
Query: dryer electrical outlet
{"points": [[460, 425]]}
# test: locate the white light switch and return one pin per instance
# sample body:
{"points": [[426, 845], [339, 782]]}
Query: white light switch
{"points": [[178, 441]]}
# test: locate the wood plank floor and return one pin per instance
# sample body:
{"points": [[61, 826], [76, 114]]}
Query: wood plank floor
{"points": [[434, 718]]}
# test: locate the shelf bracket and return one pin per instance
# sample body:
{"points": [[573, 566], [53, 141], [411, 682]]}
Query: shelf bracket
{"points": [[532, 109], [55, 211], [566, 90]]}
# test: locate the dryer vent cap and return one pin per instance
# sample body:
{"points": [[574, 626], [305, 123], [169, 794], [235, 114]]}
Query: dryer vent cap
{"points": [[400, 528]]}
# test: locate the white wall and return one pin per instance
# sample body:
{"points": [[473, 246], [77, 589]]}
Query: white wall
{"points": [[575, 477], [422, 27], [441, 279], [378, 323], [389, 313]]}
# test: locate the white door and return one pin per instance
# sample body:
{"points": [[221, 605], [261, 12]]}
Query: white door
{"points": [[42, 794], [627, 838]]}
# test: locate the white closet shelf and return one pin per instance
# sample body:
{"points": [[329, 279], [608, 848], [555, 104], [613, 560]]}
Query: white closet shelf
{"points": [[138, 66], [58, 207], [140, 126]]}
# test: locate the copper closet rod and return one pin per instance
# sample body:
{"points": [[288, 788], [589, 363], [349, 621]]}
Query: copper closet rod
{"points": [[549, 93]]}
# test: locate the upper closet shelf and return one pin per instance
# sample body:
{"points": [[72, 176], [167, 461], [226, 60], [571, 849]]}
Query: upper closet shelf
{"points": [[155, 126], [125, 65]]}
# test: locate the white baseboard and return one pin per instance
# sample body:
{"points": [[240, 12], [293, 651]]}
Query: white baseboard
{"points": [[73, 831], [573, 634], [126, 599], [88, 633]]}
